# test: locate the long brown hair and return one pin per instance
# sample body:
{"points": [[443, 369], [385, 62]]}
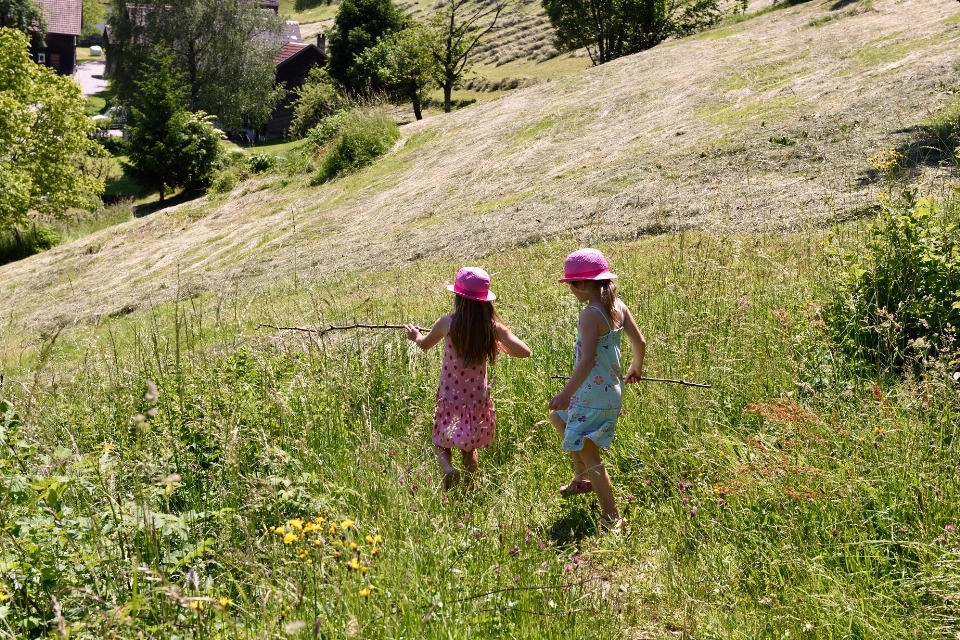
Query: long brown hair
{"points": [[608, 296], [473, 331]]}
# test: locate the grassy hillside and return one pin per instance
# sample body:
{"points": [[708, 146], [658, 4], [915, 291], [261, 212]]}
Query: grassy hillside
{"points": [[173, 465]]}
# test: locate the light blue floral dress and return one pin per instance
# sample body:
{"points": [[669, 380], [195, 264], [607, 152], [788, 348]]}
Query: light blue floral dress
{"points": [[595, 406]]}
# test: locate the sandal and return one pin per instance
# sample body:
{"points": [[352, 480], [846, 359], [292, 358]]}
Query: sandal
{"points": [[451, 479], [576, 487]]}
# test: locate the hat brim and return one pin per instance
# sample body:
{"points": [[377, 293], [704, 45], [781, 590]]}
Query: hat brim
{"points": [[606, 275], [488, 298]]}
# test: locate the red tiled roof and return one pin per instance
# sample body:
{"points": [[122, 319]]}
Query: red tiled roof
{"points": [[289, 50], [63, 16]]}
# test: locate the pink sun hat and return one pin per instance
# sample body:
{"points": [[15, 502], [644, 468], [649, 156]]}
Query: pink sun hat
{"points": [[472, 283], [586, 264]]}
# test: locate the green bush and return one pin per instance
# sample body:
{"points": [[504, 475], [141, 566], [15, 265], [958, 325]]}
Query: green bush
{"points": [[261, 162], [18, 243], [898, 296], [352, 139]]}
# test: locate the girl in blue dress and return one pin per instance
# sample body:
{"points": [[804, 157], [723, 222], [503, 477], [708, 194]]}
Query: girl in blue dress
{"points": [[585, 413]]}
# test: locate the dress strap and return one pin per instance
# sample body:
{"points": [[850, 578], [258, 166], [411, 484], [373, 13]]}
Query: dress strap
{"points": [[602, 314]]}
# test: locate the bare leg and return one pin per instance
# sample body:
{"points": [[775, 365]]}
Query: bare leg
{"points": [[450, 474], [470, 463], [590, 455], [579, 469]]}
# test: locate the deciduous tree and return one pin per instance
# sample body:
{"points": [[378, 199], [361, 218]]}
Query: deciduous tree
{"points": [[43, 137], [359, 25], [318, 98], [23, 15], [223, 48], [610, 29], [457, 29], [404, 64]]}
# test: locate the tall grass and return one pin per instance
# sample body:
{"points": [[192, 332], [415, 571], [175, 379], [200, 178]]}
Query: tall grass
{"points": [[791, 498]]}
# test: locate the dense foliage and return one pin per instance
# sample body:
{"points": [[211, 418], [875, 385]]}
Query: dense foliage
{"points": [[24, 16], [223, 51], [43, 136], [898, 298], [319, 97], [610, 29], [169, 146], [403, 63], [359, 25], [352, 139]]}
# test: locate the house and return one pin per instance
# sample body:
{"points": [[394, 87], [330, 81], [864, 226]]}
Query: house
{"points": [[59, 48], [294, 60]]}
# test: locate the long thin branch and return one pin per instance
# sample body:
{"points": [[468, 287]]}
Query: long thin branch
{"points": [[685, 383], [331, 327]]}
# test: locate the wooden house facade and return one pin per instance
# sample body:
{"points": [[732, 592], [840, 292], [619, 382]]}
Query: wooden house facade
{"points": [[58, 49]]}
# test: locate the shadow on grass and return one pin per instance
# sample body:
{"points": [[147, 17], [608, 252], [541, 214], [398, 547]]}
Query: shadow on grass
{"points": [[928, 146], [188, 194], [575, 523]]}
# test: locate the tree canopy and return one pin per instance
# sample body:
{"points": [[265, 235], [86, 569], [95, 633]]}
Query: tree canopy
{"points": [[403, 62], [358, 26], [169, 146], [610, 29], [223, 48], [23, 15], [43, 135]]}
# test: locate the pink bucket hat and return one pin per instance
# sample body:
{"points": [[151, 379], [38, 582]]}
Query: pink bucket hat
{"points": [[473, 283], [586, 264]]}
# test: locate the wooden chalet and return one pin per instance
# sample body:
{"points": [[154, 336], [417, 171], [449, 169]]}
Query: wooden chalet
{"points": [[294, 60], [59, 48]]}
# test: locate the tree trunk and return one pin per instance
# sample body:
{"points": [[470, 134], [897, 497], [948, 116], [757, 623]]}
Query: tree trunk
{"points": [[447, 90], [161, 191], [415, 97]]}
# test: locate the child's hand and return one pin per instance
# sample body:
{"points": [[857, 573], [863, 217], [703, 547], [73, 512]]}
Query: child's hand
{"points": [[634, 374], [413, 334], [560, 402]]}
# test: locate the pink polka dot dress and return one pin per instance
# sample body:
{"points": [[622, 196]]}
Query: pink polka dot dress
{"points": [[464, 416]]}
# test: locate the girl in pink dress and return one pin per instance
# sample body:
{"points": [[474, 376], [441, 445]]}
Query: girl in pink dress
{"points": [[473, 334]]}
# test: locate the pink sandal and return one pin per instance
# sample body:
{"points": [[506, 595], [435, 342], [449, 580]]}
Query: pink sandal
{"points": [[576, 487]]}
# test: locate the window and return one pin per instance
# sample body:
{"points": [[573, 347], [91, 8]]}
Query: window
{"points": [[42, 58]]}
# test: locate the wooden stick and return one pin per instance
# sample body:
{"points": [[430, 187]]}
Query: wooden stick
{"points": [[331, 327], [685, 383]]}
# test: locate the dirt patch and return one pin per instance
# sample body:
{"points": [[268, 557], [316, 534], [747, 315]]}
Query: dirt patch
{"points": [[763, 125]]}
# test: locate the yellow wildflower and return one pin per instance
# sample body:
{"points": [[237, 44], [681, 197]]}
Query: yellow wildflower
{"points": [[333, 528], [353, 563], [4, 596], [309, 560], [225, 602], [346, 524], [363, 569], [316, 542], [290, 537], [296, 524], [378, 539], [369, 538], [196, 605], [374, 551], [353, 546], [364, 592]]}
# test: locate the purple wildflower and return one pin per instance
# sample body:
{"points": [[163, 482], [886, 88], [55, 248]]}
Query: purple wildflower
{"points": [[685, 500], [684, 485], [948, 527], [568, 567], [516, 578], [460, 525], [721, 501], [693, 512], [391, 454]]}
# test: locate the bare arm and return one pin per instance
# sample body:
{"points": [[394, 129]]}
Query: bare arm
{"points": [[639, 343], [511, 344], [425, 342], [589, 337]]}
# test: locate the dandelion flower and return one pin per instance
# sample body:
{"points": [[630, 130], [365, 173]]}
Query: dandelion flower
{"points": [[354, 564], [225, 602], [346, 524], [296, 524], [363, 569], [369, 539], [374, 551], [309, 561], [353, 546], [289, 538], [378, 539], [364, 592], [333, 528], [196, 605]]}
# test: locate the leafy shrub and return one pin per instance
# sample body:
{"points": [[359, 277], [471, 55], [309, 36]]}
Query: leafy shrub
{"points": [[319, 98], [898, 296], [17, 243], [261, 162], [223, 181], [352, 139]]}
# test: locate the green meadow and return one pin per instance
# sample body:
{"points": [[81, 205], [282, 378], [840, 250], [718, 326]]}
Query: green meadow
{"points": [[188, 472]]}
